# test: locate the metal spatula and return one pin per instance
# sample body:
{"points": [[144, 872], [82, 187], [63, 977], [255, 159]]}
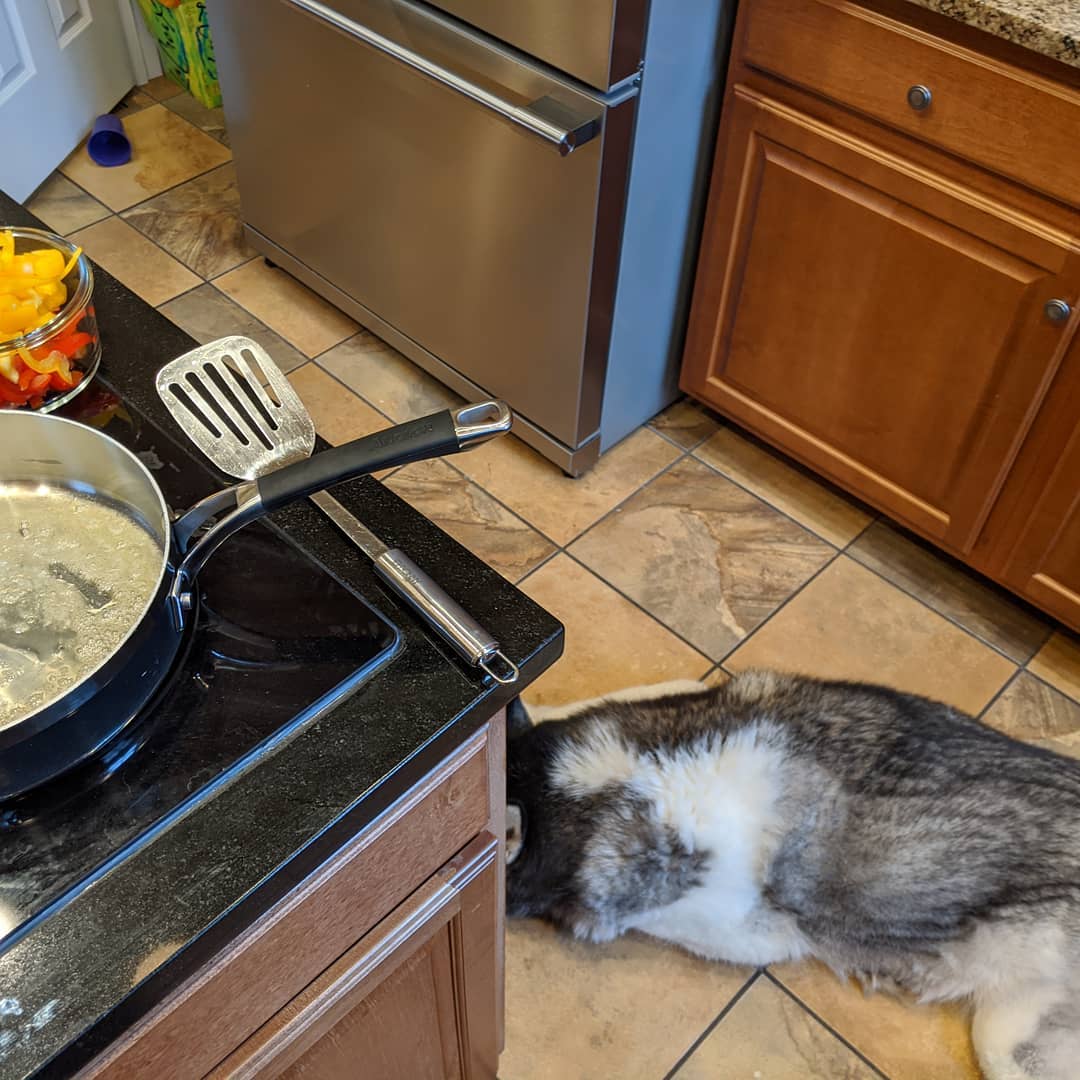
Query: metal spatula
{"points": [[237, 407]]}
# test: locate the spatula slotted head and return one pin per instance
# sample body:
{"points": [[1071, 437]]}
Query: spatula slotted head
{"points": [[238, 408]]}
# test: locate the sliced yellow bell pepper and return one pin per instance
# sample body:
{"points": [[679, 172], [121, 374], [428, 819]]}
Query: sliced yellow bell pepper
{"points": [[32, 288], [18, 319], [7, 367], [54, 361]]}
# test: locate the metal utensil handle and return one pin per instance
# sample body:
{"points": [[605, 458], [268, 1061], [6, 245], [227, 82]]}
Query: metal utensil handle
{"points": [[444, 614], [564, 139]]}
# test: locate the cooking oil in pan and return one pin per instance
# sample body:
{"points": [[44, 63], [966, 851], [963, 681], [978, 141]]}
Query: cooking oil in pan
{"points": [[75, 576]]}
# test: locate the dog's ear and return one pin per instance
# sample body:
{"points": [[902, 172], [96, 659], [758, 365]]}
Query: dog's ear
{"points": [[517, 719]]}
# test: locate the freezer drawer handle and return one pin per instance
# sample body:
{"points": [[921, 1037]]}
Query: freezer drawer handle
{"points": [[546, 118]]}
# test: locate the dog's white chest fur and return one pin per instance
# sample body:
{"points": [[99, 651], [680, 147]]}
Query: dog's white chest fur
{"points": [[720, 798]]}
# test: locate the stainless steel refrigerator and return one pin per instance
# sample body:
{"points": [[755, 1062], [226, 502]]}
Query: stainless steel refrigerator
{"points": [[508, 191]]}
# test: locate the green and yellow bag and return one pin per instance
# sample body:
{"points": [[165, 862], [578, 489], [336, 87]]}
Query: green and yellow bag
{"points": [[182, 32]]}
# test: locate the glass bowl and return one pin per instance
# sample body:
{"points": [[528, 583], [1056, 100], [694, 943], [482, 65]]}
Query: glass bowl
{"points": [[73, 330]]}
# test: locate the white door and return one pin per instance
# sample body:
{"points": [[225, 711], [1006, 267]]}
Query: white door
{"points": [[62, 63]]}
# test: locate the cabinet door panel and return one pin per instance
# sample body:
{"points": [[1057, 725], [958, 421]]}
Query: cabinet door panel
{"points": [[1032, 538], [418, 996], [404, 1027], [872, 318]]}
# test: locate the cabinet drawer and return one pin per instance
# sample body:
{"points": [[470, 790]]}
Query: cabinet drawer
{"points": [[1000, 116]]}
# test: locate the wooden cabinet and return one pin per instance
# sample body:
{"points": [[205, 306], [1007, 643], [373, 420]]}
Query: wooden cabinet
{"points": [[1032, 540], [414, 998], [1011, 119], [875, 306], [385, 963]]}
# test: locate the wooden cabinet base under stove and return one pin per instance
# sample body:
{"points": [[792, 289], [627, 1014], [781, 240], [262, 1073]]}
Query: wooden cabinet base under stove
{"points": [[385, 962]]}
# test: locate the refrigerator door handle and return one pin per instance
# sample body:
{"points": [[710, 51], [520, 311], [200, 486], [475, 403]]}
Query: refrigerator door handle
{"points": [[545, 118]]}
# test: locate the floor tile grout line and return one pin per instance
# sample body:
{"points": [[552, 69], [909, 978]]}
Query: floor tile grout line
{"points": [[491, 495], [709, 661], [163, 191], [199, 176], [622, 502], [846, 550], [861, 533], [202, 279], [792, 464], [565, 549], [532, 570], [948, 618], [664, 435], [187, 93], [120, 216], [588, 528], [773, 614], [359, 333], [129, 111], [768, 975], [178, 296], [239, 266], [712, 1025], [225, 296], [555, 549], [1024, 669], [345, 386], [712, 671], [998, 694], [150, 240], [771, 506]]}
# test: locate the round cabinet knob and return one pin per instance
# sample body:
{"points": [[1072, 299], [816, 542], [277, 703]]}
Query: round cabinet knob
{"points": [[1057, 310], [919, 97]]}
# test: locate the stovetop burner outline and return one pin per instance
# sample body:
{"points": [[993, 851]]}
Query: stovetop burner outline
{"points": [[278, 640]]}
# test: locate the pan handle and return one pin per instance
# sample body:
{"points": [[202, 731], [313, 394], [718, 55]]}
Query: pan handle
{"points": [[437, 435]]}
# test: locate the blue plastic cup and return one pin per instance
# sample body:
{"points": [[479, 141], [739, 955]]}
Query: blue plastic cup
{"points": [[108, 145]]}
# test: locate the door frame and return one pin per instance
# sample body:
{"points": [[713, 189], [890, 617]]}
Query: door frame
{"points": [[141, 46]]}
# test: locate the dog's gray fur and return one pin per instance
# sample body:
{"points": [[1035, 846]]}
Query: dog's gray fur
{"points": [[900, 841]]}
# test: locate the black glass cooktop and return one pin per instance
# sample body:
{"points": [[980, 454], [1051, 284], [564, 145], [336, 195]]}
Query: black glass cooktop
{"points": [[276, 640]]}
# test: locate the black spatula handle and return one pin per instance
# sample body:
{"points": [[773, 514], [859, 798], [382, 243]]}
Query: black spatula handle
{"points": [[427, 437]]}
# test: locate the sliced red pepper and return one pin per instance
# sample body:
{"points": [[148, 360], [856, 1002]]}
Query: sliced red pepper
{"points": [[58, 382], [33, 382], [70, 343], [12, 394]]}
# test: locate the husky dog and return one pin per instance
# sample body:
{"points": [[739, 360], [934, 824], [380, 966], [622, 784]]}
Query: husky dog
{"points": [[779, 817]]}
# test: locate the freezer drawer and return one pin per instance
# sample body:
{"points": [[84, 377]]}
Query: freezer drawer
{"points": [[462, 195], [600, 42]]}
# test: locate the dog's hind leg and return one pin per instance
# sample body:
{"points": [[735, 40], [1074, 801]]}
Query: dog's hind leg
{"points": [[1033, 1033]]}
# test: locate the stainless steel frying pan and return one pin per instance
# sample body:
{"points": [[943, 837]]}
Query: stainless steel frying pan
{"points": [[65, 691]]}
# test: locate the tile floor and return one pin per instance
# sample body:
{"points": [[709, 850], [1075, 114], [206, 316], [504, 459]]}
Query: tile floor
{"points": [[688, 551]]}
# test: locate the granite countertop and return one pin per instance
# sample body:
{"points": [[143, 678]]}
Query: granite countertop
{"points": [[1050, 27], [87, 971]]}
